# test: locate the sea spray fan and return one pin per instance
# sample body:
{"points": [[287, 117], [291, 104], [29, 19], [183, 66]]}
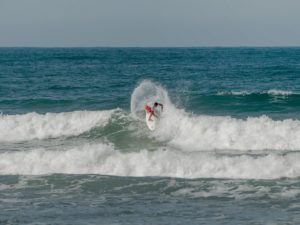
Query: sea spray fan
{"points": [[147, 92]]}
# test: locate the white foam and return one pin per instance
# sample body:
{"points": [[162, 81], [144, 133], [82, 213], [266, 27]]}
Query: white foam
{"points": [[104, 159], [274, 92], [279, 92], [198, 133], [234, 93], [288, 193], [50, 125]]}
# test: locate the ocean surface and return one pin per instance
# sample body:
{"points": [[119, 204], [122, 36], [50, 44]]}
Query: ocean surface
{"points": [[75, 149]]}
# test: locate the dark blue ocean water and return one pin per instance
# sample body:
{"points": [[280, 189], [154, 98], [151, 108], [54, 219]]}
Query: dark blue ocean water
{"points": [[74, 147], [48, 80]]}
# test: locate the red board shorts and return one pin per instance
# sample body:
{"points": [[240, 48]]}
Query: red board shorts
{"points": [[148, 109]]}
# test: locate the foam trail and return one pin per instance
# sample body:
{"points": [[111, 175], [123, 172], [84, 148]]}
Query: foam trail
{"points": [[104, 159], [31, 126]]}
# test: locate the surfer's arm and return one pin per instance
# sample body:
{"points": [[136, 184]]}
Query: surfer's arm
{"points": [[162, 106]]}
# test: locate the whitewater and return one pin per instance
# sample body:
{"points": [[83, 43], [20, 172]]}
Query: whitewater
{"points": [[105, 160], [192, 146]]}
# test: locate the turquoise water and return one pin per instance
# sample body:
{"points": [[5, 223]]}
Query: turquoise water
{"points": [[74, 147]]}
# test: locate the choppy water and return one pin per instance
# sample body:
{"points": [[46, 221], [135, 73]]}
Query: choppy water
{"points": [[74, 147]]}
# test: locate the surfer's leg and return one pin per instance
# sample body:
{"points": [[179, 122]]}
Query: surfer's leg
{"points": [[150, 116]]}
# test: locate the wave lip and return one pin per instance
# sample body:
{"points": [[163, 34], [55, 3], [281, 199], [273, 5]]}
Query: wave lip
{"points": [[14, 128], [105, 160]]}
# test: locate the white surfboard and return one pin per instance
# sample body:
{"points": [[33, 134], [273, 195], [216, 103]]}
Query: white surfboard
{"points": [[151, 124]]}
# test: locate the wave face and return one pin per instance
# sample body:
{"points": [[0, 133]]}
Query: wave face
{"points": [[31, 126]]}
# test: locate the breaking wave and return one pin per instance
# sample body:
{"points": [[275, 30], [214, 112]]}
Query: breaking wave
{"points": [[104, 159], [191, 132], [31, 126]]}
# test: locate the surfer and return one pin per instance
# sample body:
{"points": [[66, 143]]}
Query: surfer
{"points": [[151, 110], [159, 104]]}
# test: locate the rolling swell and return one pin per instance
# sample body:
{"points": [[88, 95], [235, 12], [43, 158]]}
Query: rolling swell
{"points": [[277, 104]]}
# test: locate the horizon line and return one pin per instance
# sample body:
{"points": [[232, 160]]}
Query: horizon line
{"points": [[229, 46]]}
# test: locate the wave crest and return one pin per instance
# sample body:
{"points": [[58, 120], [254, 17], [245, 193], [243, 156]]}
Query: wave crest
{"points": [[31, 126], [272, 92]]}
